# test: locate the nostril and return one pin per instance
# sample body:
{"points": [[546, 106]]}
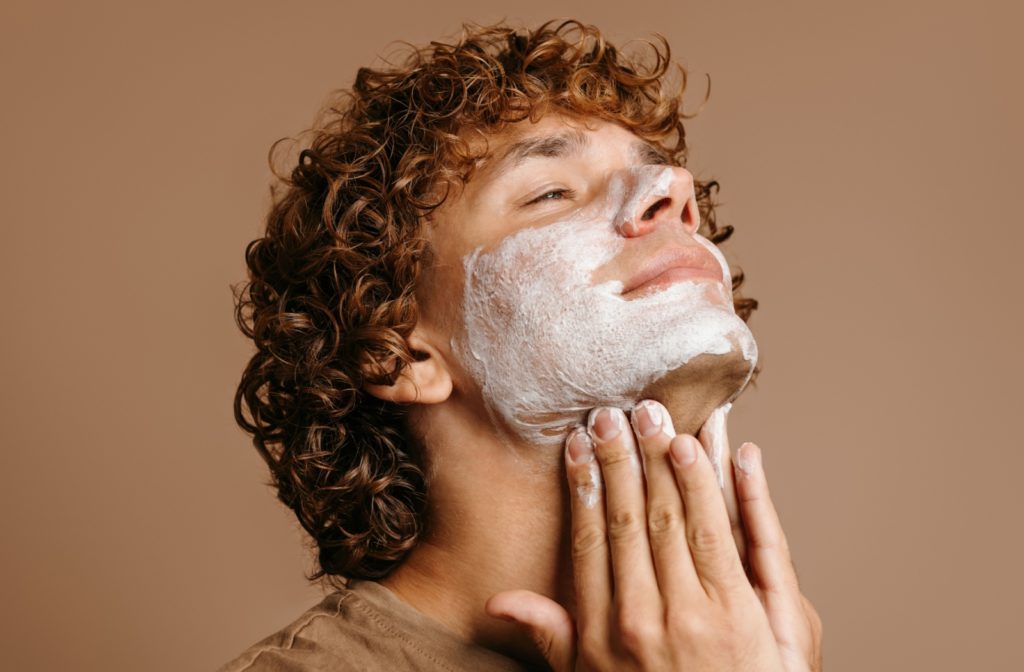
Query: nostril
{"points": [[653, 210]]}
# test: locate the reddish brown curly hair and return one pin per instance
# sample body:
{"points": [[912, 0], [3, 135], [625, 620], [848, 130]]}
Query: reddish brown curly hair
{"points": [[330, 299]]}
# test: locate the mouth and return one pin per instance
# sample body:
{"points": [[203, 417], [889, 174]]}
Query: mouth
{"points": [[666, 269]]}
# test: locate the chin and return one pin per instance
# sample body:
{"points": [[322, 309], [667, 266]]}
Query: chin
{"points": [[692, 392]]}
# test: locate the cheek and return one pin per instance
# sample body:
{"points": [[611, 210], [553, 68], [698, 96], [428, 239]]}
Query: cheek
{"points": [[439, 290], [544, 340], [523, 288], [439, 313]]}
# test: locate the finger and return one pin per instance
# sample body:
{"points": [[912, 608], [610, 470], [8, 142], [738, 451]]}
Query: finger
{"points": [[546, 622], [768, 550], [792, 618], [714, 436], [666, 528], [625, 502], [591, 562], [732, 507], [707, 523]]}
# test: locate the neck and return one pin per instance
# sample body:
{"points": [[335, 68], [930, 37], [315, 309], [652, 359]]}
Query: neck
{"points": [[498, 520]]}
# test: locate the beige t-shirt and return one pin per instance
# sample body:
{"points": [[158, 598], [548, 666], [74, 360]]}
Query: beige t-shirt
{"points": [[368, 628]]}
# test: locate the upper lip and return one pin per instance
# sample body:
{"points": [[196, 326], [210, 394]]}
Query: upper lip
{"points": [[692, 257]]}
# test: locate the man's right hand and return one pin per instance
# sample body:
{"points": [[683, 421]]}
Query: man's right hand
{"points": [[659, 581]]}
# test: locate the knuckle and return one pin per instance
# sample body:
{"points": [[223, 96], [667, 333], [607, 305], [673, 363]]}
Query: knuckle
{"points": [[663, 520], [705, 539], [729, 592], [614, 456], [766, 539], [689, 626], [587, 540], [580, 475], [637, 635], [719, 629], [622, 524], [776, 545], [700, 483], [750, 495], [586, 482], [766, 533], [654, 449]]}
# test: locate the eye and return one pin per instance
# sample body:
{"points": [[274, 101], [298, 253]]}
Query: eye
{"points": [[554, 195]]}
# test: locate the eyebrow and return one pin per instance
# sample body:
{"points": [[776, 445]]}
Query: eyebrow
{"points": [[555, 146], [648, 155], [569, 143]]}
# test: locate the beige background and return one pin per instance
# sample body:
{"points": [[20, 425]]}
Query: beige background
{"points": [[869, 156]]}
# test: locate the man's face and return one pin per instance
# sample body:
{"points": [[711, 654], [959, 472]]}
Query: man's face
{"points": [[572, 276]]}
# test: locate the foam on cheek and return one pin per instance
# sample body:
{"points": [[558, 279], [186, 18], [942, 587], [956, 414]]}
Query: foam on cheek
{"points": [[720, 258], [546, 346]]}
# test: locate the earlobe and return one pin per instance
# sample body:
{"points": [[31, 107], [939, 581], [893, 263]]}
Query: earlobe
{"points": [[424, 381]]}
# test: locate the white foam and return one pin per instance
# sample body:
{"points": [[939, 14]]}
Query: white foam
{"points": [[545, 345], [714, 428]]}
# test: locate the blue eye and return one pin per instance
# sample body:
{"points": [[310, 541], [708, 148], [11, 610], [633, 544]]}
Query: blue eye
{"points": [[553, 195]]}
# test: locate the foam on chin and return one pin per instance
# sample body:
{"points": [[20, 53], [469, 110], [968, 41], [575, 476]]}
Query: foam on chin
{"points": [[546, 346]]}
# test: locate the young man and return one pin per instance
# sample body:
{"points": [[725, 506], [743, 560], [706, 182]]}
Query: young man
{"points": [[482, 260]]}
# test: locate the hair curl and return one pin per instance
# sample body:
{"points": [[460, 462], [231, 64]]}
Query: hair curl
{"points": [[329, 299]]}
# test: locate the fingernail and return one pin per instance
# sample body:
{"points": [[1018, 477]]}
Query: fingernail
{"points": [[606, 423], [684, 450], [580, 448], [746, 458], [647, 418]]}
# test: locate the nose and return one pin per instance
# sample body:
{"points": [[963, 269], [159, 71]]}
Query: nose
{"points": [[662, 195]]}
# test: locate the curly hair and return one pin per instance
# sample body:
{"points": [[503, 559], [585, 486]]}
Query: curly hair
{"points": [[330, 300]]}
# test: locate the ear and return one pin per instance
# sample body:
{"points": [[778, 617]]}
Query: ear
{"points": [[426, 380]]}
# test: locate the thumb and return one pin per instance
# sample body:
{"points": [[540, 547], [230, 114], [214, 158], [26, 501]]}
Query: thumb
{"points": [[547, 623]]}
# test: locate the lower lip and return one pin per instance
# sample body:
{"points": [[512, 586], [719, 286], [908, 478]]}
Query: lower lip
{"points": [[672, 276]]}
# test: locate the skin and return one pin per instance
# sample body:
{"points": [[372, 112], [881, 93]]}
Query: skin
{"points": [[648, 577]]}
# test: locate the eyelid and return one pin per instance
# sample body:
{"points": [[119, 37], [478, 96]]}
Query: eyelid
{"points": [[565, 191]]}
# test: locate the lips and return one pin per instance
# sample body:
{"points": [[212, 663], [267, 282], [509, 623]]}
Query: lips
{"points": [[671, 266]]}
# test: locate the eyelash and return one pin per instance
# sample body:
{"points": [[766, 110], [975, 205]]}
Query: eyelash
{"points": [[565, 193]]}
